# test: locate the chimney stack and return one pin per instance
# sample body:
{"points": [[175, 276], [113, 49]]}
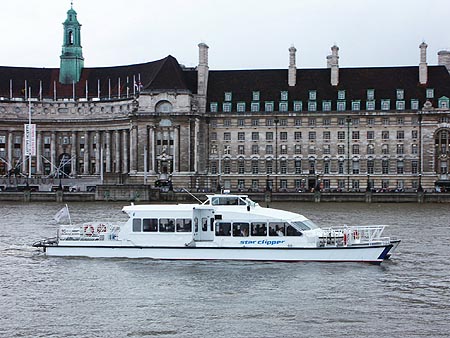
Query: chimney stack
{"points": [[444, 59], [423, 68], [292, 75], [334, 65], [202, 69]]}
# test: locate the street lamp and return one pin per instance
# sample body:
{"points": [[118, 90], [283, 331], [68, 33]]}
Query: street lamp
{"points": [[276, 120], [349, 121]]}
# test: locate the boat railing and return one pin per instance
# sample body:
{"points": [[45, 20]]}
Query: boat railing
{"points": [[353, 236], [98, 231]]}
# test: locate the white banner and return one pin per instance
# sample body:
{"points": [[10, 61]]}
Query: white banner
{"points": [[30, 140]]}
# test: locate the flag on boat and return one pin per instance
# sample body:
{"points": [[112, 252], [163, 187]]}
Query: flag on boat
{"points": [[61, 214]]}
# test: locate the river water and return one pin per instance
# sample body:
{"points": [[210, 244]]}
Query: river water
{"points": [[408, 296]]}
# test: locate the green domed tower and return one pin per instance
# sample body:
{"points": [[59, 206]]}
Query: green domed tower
{"points": [[72, 61]]}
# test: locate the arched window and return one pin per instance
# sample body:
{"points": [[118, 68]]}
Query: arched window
{"points": [[442, 151], [164, 107], [70, 38]]}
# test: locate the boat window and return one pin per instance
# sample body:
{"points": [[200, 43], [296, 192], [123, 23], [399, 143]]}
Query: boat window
{"points": [[204, 224], [223, 229], [184, 225], [259, 229], [229, 200], [277, 228], [150, 225], [240, 229], [166, 225], [305, 225], [137, 225], [291, 231]]}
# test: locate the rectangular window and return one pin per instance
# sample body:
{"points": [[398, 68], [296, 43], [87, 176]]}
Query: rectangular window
{"points": [[400, 167], [283, 136], [228, 96], [213, 136], [356, 105], [283, 106], [430, 93], [326, 121], [414, 134], [241, 107], [226, 107], [254, 107], [400, 121], [312, 95], [326, 105], [400, 149], [355, 135], [255, 96], [213, 167], [385, 166], [269, 136], [370, 121], [312, 135], [341, 135], [400, 94], [255, 149], [370, 94], [414, 167], [370, 149], [297, 149], [341, 121], [298, 106], [283, 122], [355, 149], [400, 105], [297, 135], [400, 135], [385, 121], [355, 167], [370, 135], [312, 106], [269, 149], [370, 105], [268, 106], [341, 149], [312, 121], [213, 107], [284, 96], [227, 136], [326, 135], [283, 149], [241, 136], [226, 150], [298, 122], [255, 122], [341, 95], [241, 122], [341, 105], [385, 104], [414, 104], [269, 122], [370, 166], [269, 167], [311, 150], [326, 149], [283, 167], [298, 166], [241, 149], [341, 169], [255, 136], [414, 149]]}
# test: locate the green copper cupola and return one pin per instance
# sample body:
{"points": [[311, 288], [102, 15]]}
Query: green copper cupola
{"points": [[72, 61]]}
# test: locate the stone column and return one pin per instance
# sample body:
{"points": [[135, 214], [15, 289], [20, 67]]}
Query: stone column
{"points": [[53, 152], [10, 150], [108, 150], [196, 131], [133, 149], [176, 132], [125, 151], [86, 158], [117, 149], [73, 154], [152, 149], [98, 146], [38, 153]]}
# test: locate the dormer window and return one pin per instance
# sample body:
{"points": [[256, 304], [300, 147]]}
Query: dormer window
{"points": [[400, 94], [213, 107], [284, 96], [430, 93], [255, 96], [326, 105], [341, 106], [385, 104], [241, 107], [298, 106], [414, 104], [269, 106], [443, 102], [228, 96], [227, 107], [283, 106], [341, 95], [312, 95], [356, 105], [370, 94], [255, 107]]}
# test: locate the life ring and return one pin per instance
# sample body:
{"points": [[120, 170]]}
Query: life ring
{"points": [[89, 230], [101, 228]]}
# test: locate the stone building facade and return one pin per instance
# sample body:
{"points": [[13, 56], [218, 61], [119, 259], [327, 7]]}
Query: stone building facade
{"points": [[287, 129]]}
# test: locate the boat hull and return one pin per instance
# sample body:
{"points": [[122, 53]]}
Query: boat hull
{"points": [[370, 254]]}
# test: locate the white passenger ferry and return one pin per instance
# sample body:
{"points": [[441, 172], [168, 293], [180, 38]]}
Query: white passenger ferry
{"points": [[225, 227]]}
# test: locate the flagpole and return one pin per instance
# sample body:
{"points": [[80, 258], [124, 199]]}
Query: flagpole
{"points": [[10, 88], [29, 135]]}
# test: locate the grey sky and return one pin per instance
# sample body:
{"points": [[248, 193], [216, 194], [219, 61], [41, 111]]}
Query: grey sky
{"points": [[241, 34]]}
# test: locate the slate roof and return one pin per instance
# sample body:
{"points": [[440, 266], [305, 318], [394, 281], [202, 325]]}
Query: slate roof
{"points": [[156, 75], [355, 81]]}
